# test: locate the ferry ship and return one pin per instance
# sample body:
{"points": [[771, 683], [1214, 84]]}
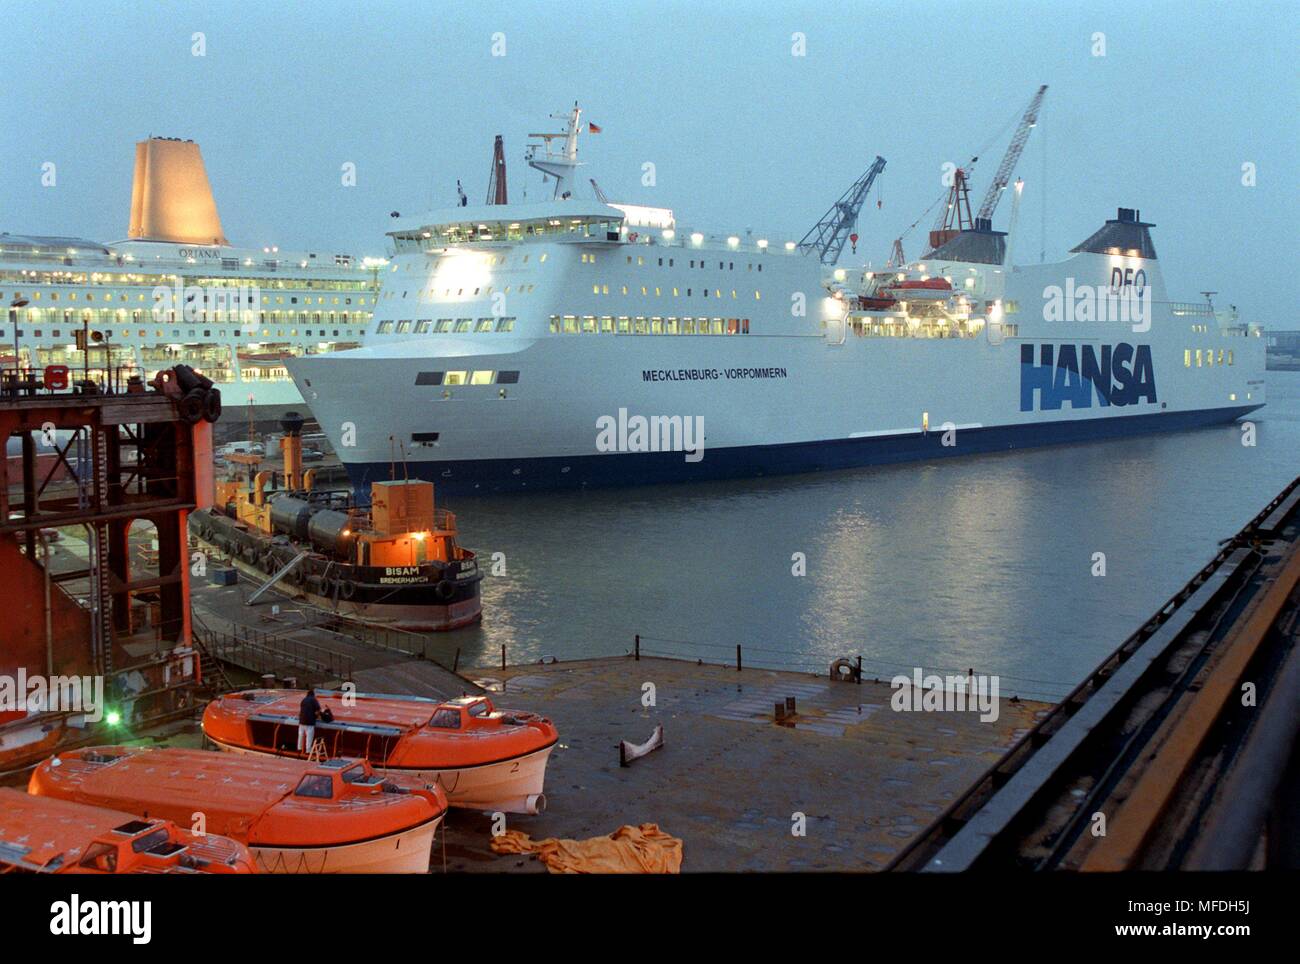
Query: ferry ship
{"points": [[573, 342], [177, 292]]}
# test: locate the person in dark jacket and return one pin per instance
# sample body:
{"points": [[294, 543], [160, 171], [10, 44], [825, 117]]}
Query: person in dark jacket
{"points": [[309, 712]]}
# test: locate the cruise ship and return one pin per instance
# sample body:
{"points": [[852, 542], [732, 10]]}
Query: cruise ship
{"points": [[573, 342], [177, 292]]}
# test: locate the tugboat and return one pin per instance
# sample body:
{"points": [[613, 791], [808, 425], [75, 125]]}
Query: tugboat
{"points": [[483, 757], [397, 562]]}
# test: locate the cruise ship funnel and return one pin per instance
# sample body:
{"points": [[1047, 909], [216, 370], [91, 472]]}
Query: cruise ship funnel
{"points": [[171, 199]]}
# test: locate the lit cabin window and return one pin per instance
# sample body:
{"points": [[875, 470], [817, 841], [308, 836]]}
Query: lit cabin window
{"points": [[480, 378], [1198, 358], [402, 327], [1187, 358], [656, 326], [715, 326], [1229, 356], [589, 324], [505, 324], [624, 324], [385, 327], [640, 327], [444, 324], [484, 324], [555, 324], [606, 324], [423, 325], [570, 324], [463, 324], [454, 378]]}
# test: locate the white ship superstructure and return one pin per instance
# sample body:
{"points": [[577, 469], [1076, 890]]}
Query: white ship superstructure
{"points": [[573, 342], [176, 291]]}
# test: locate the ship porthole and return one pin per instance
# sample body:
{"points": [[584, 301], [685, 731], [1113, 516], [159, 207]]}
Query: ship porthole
{"points": [[563, 470]]}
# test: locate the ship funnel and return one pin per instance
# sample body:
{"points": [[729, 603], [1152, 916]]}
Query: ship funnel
{"points": [[171, 199], [291, 448]]}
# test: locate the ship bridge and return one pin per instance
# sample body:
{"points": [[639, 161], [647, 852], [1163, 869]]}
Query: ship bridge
{"points": [[508, 222]]}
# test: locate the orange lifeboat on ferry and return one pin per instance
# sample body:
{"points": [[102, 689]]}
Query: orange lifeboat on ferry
{"points": [[295, 816], [48, 836], [484, 758]]}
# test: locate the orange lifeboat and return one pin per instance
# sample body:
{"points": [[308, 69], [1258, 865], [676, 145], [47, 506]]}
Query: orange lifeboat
{"points": [[484, 758], [47, 836], [295, 816]]}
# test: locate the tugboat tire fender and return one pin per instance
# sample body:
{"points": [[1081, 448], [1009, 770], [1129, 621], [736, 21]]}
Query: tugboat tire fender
{"points": [[347, 588], [444, 590]]}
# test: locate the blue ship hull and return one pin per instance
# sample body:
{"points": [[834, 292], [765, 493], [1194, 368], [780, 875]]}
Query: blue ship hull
{"points": [[488, 476]]}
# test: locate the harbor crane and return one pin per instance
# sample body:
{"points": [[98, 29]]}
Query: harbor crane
{"points": [[828, 235], [1008, 166]]}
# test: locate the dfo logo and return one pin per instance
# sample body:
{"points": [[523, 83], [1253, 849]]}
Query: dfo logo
{"points": [[1122, 375]]}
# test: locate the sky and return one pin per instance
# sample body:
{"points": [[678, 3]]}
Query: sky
{"points": [[1161, 112]]}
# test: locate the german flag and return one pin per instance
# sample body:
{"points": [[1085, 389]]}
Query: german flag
{"points": [[592, 128]]}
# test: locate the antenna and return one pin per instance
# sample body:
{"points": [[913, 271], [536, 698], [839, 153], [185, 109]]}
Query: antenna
{"points": [[496, 193]]}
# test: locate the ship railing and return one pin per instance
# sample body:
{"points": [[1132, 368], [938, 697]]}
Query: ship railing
{"points": [[16, 381], [265, 653], [95, 262]]}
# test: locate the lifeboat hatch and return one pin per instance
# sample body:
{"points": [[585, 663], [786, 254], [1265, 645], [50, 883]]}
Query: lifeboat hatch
{"points": [[279, 734]]}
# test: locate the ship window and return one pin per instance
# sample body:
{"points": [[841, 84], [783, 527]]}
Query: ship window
{"points": [[428, 378], [688, 326], [384, 328], [484, 324], [455, 378], [150, 842], [555, 324], [507, 378], [101, 856], [463, 324], [1229, 356], [570, 324], [640, 326], [480, 378], [421, 327], [479, 709], [1198, 358], [606, 324], [424, 436], [403, 326], [444, 324], [1187, 358], [315, 785], [446, 718], [506, 324], [624, 324], [589, 324]]}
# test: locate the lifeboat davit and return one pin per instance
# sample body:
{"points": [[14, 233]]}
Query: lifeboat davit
{"points": [[294, 816], [44, 835], [484, 758]]}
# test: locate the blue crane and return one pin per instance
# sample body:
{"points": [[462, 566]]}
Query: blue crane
{"points": [[828, 235]]}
